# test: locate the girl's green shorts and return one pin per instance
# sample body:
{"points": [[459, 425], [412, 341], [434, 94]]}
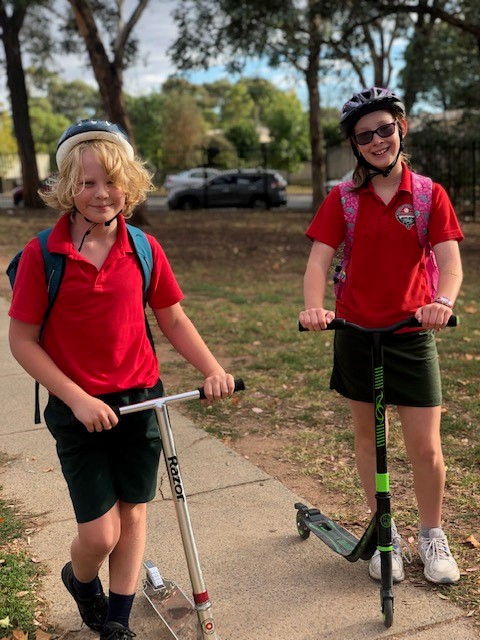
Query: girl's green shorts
{"points": [[103, 467], [411, 368]]}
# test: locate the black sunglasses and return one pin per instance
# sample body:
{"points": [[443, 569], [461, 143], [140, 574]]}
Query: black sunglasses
{"points": [[365, 137]]}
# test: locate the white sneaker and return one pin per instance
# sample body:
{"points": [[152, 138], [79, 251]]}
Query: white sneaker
{"points": [[398, 573], [440, 566]]}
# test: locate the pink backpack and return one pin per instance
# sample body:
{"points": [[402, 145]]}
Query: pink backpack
{"points": [[422, 204]]}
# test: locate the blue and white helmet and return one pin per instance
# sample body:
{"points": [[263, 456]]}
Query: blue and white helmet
{"points": [[368, 100], [85, 130]]}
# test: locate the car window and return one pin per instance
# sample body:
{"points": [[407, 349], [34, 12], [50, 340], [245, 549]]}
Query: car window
{"points": [[223, 180]]}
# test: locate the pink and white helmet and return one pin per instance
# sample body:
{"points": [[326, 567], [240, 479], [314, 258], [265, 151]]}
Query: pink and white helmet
{"points": [[368, 100]]}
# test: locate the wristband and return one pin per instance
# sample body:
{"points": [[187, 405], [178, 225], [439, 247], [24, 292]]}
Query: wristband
{"points": [[445, 301]]}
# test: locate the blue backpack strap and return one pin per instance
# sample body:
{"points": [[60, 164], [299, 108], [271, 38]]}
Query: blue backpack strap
{"points": [[144, 255], [54, 264]]}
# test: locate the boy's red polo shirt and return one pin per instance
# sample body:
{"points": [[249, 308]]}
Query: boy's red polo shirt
{"points": [[386, 277], [95, 332]]}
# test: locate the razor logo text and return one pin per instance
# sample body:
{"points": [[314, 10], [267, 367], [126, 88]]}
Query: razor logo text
{"points": [[175, 476]]}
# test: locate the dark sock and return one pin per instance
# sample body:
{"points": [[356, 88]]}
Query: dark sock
{"points": [[86, 590], [119, 608]]}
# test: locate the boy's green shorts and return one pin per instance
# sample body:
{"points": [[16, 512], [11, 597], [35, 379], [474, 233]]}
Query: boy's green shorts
{"points": [[411, 368], [103, 467]]}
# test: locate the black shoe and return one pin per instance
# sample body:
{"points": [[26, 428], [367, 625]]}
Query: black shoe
{"points": [[93, 610], [116, 631]]}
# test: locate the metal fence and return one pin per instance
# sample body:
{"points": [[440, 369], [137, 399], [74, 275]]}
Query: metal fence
{"points": [[456, 168]]}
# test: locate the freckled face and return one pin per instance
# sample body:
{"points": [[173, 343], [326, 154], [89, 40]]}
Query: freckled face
{"points": [[98, 198], [380, 152]]}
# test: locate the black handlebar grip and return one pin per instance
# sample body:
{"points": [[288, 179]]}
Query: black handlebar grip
{"points": [[239, 386], [453, 321], [336, 323]]}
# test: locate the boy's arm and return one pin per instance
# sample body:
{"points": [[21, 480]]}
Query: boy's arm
{"points": [[316, 317], [184, 337], [93, 413]]}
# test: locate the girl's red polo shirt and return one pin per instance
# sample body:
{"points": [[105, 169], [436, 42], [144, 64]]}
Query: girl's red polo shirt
{"points": [[386, 277], [95, 332]]}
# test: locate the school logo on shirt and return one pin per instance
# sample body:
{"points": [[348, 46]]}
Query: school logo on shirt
{"points": [[405, 216]]}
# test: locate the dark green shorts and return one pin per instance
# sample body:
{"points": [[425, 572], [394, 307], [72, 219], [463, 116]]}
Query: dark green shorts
{"points": [[103, 467], [411, 368]]}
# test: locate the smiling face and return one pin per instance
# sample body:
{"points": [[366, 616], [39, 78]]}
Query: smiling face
{"points": [[97, 198], [380, 152]]}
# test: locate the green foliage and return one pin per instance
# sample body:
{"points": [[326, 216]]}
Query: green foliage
{"points": [[8, 144], [450, 68], [47, 126]]}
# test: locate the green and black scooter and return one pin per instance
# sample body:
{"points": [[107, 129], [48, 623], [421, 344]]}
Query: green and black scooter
{"points": [[378, 534]]}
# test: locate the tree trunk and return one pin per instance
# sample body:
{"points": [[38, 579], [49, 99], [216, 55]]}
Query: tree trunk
{"points": [[316, 134], [19, 100]]}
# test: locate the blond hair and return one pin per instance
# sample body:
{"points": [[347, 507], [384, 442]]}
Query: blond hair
{"points": [[130, 175]]}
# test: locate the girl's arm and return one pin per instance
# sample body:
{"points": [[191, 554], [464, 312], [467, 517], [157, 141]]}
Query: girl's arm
{"points": [[90, 411], [435, 315], [316, 317], [184, 337]]}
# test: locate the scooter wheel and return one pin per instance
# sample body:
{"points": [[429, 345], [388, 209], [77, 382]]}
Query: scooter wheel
{"points": [[387, 609], [303, 531]]}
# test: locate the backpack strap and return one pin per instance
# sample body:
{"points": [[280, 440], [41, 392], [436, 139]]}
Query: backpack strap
{"points": [[144, 254], [422, 205], [143, 251], [349, 200], [422, 188], [54, 264]]}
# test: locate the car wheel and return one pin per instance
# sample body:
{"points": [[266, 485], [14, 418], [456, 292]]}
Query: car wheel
{"points": [[259, 202], [187, 204]]}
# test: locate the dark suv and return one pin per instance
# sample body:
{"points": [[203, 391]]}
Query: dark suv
{"points": [[243, 188]]}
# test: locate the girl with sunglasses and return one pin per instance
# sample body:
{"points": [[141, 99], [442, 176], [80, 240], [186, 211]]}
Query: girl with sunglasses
{"points": [[386, 282]]}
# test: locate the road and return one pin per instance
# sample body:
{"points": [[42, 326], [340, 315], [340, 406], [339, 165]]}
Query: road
{"points": [[296, 202]]}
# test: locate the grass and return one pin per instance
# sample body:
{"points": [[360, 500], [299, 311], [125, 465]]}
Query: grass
{"points": [[242, 274], [20, 575]]}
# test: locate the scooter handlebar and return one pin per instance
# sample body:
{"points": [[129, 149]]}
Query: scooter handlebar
{"points": [[340, 323], [239, 386]]}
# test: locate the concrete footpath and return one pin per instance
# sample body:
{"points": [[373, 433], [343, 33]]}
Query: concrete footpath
{"points": [[264, 581]]}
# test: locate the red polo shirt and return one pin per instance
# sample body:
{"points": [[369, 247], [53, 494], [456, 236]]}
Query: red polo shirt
{"points": [[386, 279], [96, 329]]}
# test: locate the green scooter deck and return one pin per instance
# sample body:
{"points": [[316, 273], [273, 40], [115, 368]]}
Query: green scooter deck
{"points": [[335, 536]]}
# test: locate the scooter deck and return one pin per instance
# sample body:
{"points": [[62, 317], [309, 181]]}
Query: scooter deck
{"points": [[335, 536], [175, 610]]}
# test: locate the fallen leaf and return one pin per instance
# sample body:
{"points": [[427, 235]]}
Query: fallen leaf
{"points": [[48, 470], [22, 594], [470, 309], [18, 634], [257, 410], [5, 622], [473, 541], [42, 635]]}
